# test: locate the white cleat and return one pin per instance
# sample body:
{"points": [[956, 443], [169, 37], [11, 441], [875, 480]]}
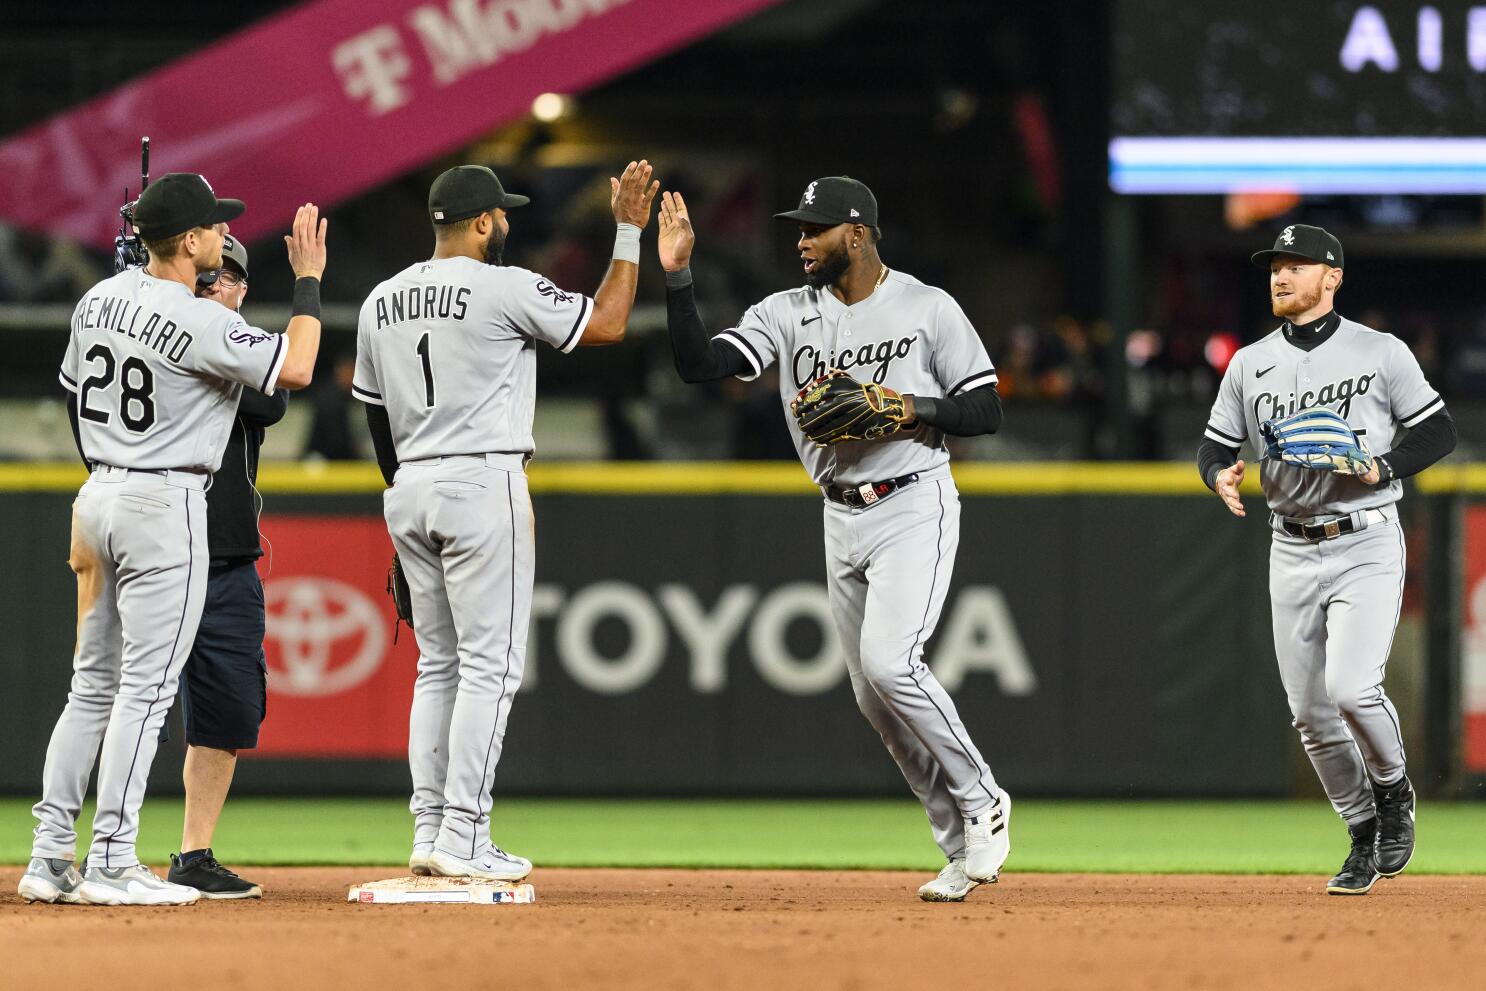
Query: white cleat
{"points": [[950, 886], [494, 864], [50, 880], [988, 840], [418, 862], [135, 885]]}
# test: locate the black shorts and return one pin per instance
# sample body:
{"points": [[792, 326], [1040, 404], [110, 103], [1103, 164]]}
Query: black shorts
{"points": [[224, 687]]}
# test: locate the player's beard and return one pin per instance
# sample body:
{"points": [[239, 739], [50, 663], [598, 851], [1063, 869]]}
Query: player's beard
{"points": [[1299, 301], [828, 269], [494, 246]]}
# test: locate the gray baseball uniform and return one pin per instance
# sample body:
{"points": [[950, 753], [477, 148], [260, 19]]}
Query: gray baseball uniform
{"points": [[1336, 601], [448, 346], [888, 563], [158, 374]]}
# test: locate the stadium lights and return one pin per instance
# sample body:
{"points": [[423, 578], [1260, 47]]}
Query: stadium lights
{"points": [[551, 107]]}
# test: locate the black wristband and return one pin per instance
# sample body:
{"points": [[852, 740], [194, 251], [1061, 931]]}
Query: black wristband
{"points": [[1385, 471], [679, 279], [306, 297], [924, 409]]}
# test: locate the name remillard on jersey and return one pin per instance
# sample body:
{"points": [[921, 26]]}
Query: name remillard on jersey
{"points": [[1269, 405], [122, 316]]}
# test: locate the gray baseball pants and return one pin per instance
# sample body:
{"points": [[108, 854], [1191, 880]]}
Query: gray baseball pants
{"points": [[139, 550], [1336, 605], [464, 530], [888, 569]]}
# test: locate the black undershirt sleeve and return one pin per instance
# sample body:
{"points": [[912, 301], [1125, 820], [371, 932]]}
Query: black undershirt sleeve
{"points": [[1212, 458], [381, 435], [699, 358], [969, 414], [1421, 447], [77, 434], [258, 410]]}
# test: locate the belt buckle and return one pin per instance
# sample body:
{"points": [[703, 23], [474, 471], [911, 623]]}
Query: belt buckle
{"points": [[1332, 528], [868, 492]]}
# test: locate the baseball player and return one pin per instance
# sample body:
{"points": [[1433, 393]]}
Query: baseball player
{"points": [[892, 513], [446, 363], [156, 374], [224, 692], [1336, 565]]}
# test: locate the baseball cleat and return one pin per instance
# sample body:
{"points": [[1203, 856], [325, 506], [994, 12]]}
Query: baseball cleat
{"points": [[988, 840], [950, 886], [1359, 871], [1395, 841], [493, 865], [418, 862], [135, 885], [50, 880], [210, 878]]}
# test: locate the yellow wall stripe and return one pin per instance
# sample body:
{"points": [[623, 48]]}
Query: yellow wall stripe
{"points": [[1026, 478]]}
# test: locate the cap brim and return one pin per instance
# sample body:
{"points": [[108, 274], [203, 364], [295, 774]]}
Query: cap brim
{"points": [[224, 211], [1261, 259], [809, 217], [513, 199]]}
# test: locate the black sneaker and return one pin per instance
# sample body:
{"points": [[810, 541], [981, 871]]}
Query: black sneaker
{"points": [[1395, 844], [1359, 872], [210, 878]]}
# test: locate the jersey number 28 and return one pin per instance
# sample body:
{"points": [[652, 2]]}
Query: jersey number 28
{"points": [[136, 390]]}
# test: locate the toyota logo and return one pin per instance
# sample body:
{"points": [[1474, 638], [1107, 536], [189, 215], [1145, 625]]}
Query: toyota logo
{"points": [[330, 636]]}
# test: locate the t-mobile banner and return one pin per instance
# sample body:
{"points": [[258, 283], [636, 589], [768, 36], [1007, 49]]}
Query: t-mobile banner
{"points": [[343, 94], [1473, 642]]}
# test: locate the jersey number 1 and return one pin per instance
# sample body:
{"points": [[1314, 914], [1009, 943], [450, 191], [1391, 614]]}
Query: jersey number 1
{"points": [[427, 371], [136, 389]]}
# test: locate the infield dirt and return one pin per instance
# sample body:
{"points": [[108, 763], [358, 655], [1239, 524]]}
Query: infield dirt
{"points": [[660, 929]]}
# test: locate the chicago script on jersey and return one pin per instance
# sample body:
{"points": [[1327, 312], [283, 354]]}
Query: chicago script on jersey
{"points": [[808, 365], [1268, 405]]}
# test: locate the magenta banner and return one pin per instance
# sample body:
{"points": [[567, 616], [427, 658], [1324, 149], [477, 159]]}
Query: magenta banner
{"points": [[329, 99]]}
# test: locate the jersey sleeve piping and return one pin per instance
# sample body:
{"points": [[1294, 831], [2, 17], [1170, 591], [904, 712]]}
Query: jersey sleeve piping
{"points": [[749, 354], [67, 383], [585, 313], [1429, 409], [1213, 433], [280, 355], [367, 396], [987, 377]]}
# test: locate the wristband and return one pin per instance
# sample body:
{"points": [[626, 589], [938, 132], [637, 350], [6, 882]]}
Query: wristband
{"points": [[1385, 471], [306, 297], [679, 279], [627, 243]]}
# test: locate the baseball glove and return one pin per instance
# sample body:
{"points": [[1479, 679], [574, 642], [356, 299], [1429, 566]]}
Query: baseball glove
{"points": [[1318, 439], [402, 596], [836, 408]]}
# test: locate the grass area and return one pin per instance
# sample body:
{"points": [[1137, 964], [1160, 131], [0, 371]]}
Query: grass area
{"points": [[1117, 836]]}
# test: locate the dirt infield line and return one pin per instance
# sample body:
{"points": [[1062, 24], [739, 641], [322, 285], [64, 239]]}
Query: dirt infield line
{"points": [[655, 929]]}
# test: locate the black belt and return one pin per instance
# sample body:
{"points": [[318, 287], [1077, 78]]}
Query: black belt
{"points": [[1318, 531], [860, 496]]}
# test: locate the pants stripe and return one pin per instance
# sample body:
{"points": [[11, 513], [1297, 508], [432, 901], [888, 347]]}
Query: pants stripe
{"points": [[485, 771]]}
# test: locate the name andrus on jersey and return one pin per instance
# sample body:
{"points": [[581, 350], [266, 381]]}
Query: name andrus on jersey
{"points": [[1268, 405], [808, 365], [122, 316], [423, 303]]}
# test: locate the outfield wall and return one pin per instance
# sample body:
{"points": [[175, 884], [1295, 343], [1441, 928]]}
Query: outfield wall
{"points": [[1106, 633]]}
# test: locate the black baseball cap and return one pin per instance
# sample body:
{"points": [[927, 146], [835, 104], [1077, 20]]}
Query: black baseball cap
{"points": [[234, 258], [836, 199], [467, 191], [1303, 241], [178, 202]]}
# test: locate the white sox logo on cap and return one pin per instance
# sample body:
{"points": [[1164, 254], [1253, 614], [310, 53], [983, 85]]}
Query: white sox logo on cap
{"points": [[810, 193], [1288, 235]]}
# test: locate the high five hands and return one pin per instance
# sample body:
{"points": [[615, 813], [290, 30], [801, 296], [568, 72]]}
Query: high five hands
{"points": [[676, 236], [631, 194]]}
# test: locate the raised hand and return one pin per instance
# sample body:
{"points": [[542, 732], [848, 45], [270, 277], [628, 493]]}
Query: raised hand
{"points": [[631, 194], [676, 236], [307, 243], [1228, 481]]}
